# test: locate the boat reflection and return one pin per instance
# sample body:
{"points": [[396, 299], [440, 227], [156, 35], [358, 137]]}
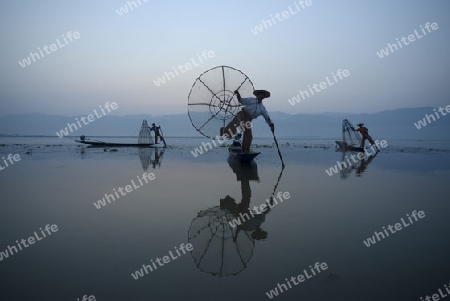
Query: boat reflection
{"points": [[83, 152], [364, 164], [150, 156], [224, 236]]}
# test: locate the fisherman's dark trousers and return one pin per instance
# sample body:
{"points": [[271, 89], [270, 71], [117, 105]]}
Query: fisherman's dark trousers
{"points": [[158, 135], [239, 121], [366, 137]]}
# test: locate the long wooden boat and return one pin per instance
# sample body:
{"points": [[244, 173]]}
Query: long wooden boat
{"points": [[343, 146], [235, 151], [112, 144]]}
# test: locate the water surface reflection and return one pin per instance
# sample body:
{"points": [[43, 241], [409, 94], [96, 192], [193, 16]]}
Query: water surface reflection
{"points": [[224, 236]]}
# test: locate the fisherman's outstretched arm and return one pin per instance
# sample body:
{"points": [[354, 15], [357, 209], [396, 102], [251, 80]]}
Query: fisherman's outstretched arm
{"points": [[266, 116], [238, 95]]}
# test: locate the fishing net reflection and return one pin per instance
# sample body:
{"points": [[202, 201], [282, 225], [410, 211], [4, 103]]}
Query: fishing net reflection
{"points": [[219, 249]]}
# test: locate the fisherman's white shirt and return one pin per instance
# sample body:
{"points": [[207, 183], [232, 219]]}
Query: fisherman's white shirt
{"points": [[255, 109]]}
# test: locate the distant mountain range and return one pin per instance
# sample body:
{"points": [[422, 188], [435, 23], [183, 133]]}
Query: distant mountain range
{"points": [[394, 124]]}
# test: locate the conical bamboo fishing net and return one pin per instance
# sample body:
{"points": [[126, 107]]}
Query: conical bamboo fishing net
{"points": [[212, 103], [145, 134], [349, 136]]}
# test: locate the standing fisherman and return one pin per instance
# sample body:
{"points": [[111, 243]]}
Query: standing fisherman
{"points": [[365, 133], [156, 129], [253, 108]]}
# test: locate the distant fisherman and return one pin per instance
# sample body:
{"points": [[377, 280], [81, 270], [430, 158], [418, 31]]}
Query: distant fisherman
{"points": [[157, 133], [252, 109], [365, 134]]}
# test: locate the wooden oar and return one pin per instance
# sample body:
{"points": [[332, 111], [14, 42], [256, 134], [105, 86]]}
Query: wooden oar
{"points": [[162, 134], [278, 148]]}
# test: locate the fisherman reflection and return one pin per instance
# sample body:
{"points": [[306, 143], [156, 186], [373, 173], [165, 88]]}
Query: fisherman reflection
{"points": [[221, 247], [146, 157], [246, 220], [158, 157], [360, 164], [349, 166], [83, 153], [363, 165]]}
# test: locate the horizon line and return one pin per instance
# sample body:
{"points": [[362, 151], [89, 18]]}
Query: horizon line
{"points": [[163, 115]]}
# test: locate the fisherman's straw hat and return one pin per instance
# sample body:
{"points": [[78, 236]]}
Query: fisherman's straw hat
{"points": [[266, 94]]}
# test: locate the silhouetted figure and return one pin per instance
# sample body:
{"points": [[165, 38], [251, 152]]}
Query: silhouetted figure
{"points": [[363, 165], [345, 172], [157, 130], [365, 134], [223, 235], [146, 157], [158, 158], [253, 108], [250, 221], [360, 165]]}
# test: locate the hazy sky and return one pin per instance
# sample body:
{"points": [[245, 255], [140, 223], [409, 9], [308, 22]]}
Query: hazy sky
{"points": [[118, 58]]}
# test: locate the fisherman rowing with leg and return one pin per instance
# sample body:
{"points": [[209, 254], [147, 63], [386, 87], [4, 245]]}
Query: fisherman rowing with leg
{"points": [[365, 134], [156, 129], [253, 108]]}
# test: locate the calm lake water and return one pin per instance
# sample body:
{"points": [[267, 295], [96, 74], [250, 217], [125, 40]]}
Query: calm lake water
{"points": [[326, 219]]}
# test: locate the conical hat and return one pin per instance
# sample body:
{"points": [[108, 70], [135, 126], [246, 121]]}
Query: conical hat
{"points": [[265, 93]]}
